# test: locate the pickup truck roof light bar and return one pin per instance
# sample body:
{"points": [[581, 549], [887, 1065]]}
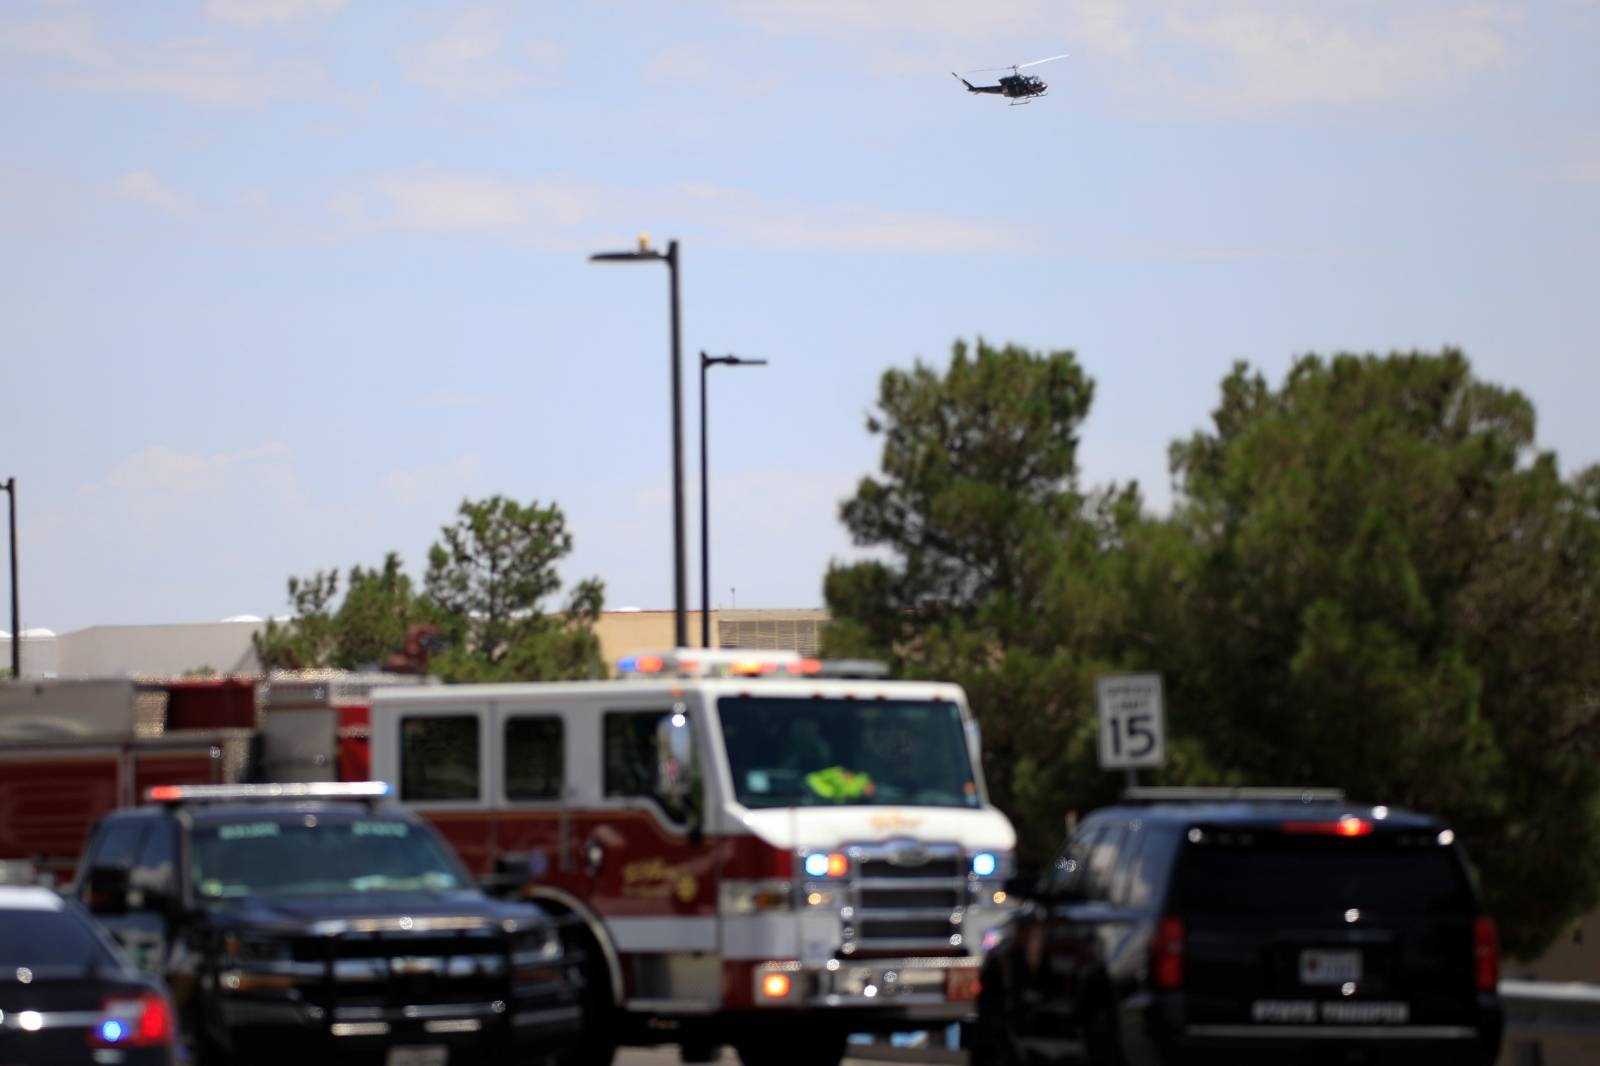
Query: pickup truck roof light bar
{"points": [[1188, 794], [371, 791], [713, 663]]}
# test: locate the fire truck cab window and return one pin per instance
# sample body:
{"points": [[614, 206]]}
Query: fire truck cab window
{"points": [[791, 752], [651, 754], [534, 760], [439, 758]]}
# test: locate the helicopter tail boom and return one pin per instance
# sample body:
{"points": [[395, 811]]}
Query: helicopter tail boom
{"points": [[971, 88]]}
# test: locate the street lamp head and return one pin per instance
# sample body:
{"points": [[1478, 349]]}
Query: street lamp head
{"points": [[729, 360]]}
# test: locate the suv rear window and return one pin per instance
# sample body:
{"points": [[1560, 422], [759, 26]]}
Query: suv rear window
{"points": [[1266, 871]]}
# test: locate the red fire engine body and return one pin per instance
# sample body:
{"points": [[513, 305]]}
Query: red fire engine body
{"points": [[73, 751], [747, 845]]}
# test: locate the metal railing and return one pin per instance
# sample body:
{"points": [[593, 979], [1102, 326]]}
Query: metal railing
{"points": [[1553, 1008]]}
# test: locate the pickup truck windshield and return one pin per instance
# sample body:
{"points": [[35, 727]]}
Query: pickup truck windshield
{"points": [[801, 752], [312, 855]]}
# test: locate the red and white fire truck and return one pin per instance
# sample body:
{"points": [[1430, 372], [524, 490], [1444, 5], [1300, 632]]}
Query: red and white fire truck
{"points": [[758, 849], [73, 751]]}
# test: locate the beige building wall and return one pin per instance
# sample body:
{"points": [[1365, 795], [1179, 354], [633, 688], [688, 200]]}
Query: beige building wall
{"points": [[624, 633], [173, 650]]}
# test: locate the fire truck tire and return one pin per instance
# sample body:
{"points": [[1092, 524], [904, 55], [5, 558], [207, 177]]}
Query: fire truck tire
{"points": [[698, 1051], [596, 1044], [800, 1046]]}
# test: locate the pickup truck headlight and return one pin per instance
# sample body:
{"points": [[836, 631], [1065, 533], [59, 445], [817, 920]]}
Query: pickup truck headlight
{"points": [[538, 945]]}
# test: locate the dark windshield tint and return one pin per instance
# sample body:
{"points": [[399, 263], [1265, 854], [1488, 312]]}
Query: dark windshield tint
{"points": [[278, 857], [50, 941], [808, 752], [1273, 872]]}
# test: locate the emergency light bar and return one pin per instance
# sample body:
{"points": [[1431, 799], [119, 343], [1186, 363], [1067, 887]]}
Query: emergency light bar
{"points": [[1201, 794], [367, 790], [712, 663]]}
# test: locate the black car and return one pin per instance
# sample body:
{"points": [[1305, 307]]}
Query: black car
{"points": [[316, 921], [1189, 927], [68, 995]]}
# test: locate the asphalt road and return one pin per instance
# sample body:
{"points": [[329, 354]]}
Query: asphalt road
{"points": [[667, 1055]]}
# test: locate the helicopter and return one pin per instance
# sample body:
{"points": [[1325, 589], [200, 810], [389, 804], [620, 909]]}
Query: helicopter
{"points": [[1020, 88]]}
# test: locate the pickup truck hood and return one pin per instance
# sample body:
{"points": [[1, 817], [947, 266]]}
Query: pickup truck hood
{"points": [[384, 909]]}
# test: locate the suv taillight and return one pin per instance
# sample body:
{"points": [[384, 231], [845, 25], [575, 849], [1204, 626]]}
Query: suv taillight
{"points": [[133, 1021], [1486, 954], [1166, 954]]}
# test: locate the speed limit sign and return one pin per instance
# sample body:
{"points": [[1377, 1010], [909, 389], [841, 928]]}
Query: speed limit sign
{"points": [[1133, 724]]}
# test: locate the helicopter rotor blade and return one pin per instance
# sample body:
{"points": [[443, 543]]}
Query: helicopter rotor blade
{"points": [[1036, 62]]}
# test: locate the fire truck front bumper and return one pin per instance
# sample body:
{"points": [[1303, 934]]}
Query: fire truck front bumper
{"points": [[915, 989]]}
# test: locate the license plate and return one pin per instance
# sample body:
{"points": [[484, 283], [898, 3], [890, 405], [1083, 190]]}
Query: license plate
{"points": [[428, 1055], [1321, 967]]}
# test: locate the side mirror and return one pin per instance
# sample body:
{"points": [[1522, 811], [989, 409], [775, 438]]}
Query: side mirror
{"points": [[677, 769], [107, 890]]}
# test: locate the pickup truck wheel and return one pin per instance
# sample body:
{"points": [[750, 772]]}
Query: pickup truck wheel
{"points": [[596, 1042], [1102, 1047]]}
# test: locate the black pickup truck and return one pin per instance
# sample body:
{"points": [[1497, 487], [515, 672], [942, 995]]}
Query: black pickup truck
{"points": [[318, 921]]}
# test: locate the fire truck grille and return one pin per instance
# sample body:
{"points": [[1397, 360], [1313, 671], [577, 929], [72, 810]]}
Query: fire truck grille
{"points": [[907, 898], [871, 869], [908, 929], [878, 899]]}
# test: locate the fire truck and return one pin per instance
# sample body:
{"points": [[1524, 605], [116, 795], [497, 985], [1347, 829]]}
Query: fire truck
{"points": [[73, 751], [754, 849]]}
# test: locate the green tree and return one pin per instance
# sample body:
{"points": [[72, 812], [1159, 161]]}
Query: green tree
{"points": [[997, 576], [307, 640], [1385, 586], [486, 584], [370, 624]]}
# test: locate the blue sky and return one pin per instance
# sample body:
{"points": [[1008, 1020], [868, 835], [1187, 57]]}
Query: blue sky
{"points": [[284, 280]]}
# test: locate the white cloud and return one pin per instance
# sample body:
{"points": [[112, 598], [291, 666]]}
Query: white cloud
{"points": [[460, 201], [433, 481], [1166, 55], [467, 56], [849, 227], [195, 70], [143, 187], [252, 14], [162, 489]]}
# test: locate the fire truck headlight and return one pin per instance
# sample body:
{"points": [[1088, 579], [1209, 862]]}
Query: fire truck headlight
{"points": [[752, 897]]}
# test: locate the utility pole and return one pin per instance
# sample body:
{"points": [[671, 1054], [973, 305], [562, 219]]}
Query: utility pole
{"points": [[16, 628]]}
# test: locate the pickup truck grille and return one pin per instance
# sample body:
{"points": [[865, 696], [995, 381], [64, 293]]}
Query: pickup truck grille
{"points": [[905, 898]]}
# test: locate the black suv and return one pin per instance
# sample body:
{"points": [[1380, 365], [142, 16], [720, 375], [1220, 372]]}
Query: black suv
{"points": [[315, 920], [1192, 926]]}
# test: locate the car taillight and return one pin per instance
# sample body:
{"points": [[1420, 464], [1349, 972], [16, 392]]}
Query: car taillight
{"points": [[1486, 954], [133, 1021], [1166, 954]]}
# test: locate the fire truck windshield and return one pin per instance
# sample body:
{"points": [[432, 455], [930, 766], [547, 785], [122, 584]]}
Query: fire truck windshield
{"points": [[314, 855], [798, 752]]}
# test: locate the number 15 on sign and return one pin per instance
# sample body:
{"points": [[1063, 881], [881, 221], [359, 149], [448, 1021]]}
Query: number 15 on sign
{"points": [[1132, 721]]}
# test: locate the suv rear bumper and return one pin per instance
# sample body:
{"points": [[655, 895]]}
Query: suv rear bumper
{"points": [[1161, 1031]]}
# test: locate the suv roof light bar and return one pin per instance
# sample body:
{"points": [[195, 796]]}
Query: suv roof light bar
{"points": [[1192, 794], [372, 791], [745, 663]]}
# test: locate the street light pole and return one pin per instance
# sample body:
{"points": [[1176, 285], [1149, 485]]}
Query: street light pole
{"points": [[16, 631], [680, 586], [706, 362]]}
